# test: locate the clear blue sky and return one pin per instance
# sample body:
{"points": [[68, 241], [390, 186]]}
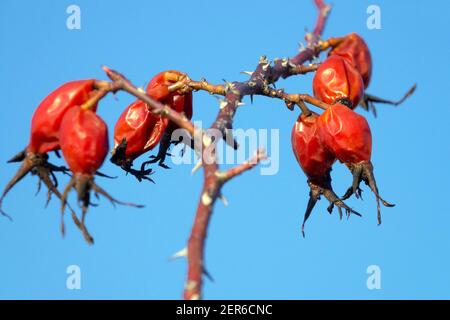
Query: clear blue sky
{"points": [[254, 248]]}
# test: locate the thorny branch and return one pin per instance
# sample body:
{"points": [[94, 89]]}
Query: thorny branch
{"points": [[266, 74], [224, 176], [122, 83]]}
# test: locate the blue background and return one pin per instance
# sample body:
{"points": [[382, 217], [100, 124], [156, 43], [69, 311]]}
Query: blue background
{"points": [[254, 247]]}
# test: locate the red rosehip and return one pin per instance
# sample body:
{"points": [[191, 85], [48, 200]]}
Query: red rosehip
{"points": [[138, 130], [337, 81], [44, 136], [355, 50], [316, 162], [158, 89], [84, 144], [347, 135], [84, 141], [48, 115], [141, 129], [314, 159]]}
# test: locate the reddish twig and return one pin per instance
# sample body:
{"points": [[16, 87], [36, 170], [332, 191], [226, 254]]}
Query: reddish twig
{"points": [[214, 180], [122, 83], [264, 74], [259, 156]]}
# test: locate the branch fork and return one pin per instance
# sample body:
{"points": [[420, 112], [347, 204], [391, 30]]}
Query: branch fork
{"points": [[265, 74]]}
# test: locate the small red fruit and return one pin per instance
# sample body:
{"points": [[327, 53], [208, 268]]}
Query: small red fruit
{"points": [[48, 116], [44, 136], [337, 81], [355, 50], [316, 162], [138, 125], [84, 141], [138, 130], [161, 88], [347, 135], [314, 159], [84, 144]]}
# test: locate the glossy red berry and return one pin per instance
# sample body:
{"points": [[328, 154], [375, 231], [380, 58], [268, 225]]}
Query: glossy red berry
{"points": [[314, 159], [141, 129], [44, 137], [355, 50], [84, 144], [138, 131], [159, 89], [347, 135], [84, 141], [48, 115], [316, 162], [337, 81]]}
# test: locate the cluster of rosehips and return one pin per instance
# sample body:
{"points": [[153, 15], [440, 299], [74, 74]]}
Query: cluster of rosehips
{"points": [[66, 121], [339, 133]]}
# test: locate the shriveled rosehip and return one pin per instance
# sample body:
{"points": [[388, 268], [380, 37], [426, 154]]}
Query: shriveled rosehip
{"points": [[84, 144], [161, 88], [84, 141], [136, 132], [141, 129], [347, 135], [48, 116], [355, 50], [314, 159], [44, 136], [337, 81], [316, 162]]}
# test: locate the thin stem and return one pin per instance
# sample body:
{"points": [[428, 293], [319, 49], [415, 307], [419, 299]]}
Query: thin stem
{"points": [[263, 75]]}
